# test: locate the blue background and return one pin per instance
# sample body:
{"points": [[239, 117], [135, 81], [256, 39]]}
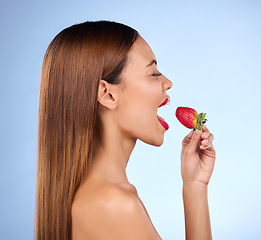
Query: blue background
{"points": [[209, 49]]}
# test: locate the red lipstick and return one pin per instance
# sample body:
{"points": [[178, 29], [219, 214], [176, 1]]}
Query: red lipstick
{"points": [[165, 102], [163, 122]]}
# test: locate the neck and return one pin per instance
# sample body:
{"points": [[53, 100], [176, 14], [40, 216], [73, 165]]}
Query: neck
{"points": [[112, 155]]}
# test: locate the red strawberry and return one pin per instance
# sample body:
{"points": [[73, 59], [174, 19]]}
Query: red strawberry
{"points": [[190, 117]]}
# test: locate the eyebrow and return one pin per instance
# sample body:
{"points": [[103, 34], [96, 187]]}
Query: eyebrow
{"points": [[152, 62]]}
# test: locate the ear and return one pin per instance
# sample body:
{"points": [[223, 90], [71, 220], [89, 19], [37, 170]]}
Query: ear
{"points": [[108, 94]]}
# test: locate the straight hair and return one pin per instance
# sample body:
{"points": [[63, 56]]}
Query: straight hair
{"points": [[75, 61]]}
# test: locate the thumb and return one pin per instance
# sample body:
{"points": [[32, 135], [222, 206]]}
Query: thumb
{"points": [[187, 139], [193, 145]]}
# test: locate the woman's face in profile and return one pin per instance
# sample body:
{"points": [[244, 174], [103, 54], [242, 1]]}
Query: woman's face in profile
{"points": [[143, 90]]}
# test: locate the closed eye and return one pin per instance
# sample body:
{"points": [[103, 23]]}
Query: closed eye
{"points": [[156, 74]]}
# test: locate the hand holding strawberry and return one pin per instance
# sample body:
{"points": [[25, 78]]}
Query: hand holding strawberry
{"points": [[198, 154]]}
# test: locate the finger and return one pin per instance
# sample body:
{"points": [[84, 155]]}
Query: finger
{"points": [[204, 147], [187, 139], [190, 135], [208, 147], [206, 142], [205, 132], [193, 145], [204, 128], [211, 137]]}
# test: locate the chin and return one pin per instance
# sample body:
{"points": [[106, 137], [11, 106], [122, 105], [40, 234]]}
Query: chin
{"points": [[157, 142]]}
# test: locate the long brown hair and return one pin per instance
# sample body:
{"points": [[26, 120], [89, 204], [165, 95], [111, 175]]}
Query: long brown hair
{"points": [[75, 61]]}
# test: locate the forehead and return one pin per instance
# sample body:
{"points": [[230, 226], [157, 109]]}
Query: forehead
{"points": [[141, 53]]}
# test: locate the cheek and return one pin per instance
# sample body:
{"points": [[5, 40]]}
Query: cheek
{"points": [[144, 98], [139, 108]]}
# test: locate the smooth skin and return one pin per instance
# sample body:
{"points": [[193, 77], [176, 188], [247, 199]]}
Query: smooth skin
{"points": [[197, 164], [106, 205]]}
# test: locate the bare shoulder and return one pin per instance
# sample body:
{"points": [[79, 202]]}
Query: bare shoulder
{"points": [[112, 211]]}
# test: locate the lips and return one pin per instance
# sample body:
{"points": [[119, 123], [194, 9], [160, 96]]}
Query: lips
{"points": [[165, 101], [161, 120]]}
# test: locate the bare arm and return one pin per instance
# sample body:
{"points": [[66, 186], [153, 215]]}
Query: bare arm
{"points": [[197, 163], [197, 219]]}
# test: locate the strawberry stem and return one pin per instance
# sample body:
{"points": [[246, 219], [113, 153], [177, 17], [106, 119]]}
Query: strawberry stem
{"points": [[200, 120]]}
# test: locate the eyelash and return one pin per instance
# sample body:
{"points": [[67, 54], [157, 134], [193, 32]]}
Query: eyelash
{"points": [[156, 74]]}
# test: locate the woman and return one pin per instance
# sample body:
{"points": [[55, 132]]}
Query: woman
{"points": [[100, 91]]}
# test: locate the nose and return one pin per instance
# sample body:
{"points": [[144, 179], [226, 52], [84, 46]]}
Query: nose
{"points": [[166, 84]]}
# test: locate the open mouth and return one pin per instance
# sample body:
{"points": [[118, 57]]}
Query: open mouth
{"points": [[162, 120]]}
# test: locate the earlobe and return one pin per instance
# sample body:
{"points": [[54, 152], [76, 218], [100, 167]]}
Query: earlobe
{"points": [[107, 95]]}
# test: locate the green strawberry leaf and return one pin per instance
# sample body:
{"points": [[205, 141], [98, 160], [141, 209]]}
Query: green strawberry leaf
{"points": [[198, 127]]}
